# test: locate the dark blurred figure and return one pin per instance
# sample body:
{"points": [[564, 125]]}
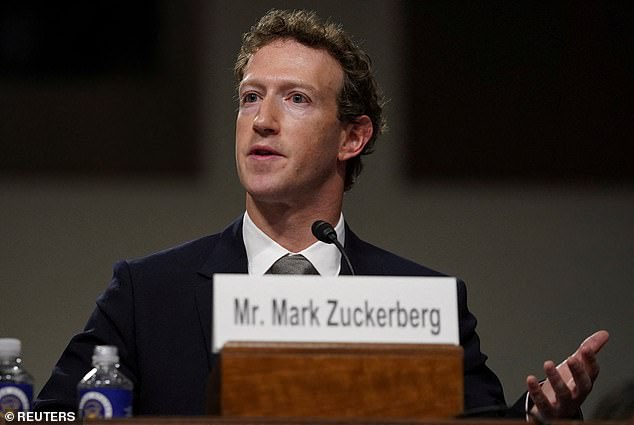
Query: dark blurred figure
{"points": [[618, 404]]}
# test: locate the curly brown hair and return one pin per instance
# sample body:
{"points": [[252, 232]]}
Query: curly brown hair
{"points": [[360, 94]]}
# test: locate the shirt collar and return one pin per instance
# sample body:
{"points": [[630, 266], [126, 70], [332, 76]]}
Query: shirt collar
{"points": [[262, 251]]}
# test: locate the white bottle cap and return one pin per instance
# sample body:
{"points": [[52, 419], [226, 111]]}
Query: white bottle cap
{"points": [[105, 354], [10, 347]]}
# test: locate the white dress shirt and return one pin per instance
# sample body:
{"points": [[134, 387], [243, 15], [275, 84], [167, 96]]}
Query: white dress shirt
{"points": [[262, 251]]}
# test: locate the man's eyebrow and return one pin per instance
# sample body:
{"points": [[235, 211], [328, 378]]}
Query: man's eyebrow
{"points": [[279, 83]]}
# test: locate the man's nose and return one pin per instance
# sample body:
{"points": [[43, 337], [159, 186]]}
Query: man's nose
{"points": [[266, 121]]}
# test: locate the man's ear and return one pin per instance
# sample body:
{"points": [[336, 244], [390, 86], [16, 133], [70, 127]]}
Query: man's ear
{"points": [[357, 135]]}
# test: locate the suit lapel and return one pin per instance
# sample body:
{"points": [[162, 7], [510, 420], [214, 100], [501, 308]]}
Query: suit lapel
{"points": [[362, 256], [355, 254], [228, 255]]}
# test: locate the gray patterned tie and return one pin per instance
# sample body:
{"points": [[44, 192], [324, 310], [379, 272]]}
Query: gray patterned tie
{"points": [[292, 264]]}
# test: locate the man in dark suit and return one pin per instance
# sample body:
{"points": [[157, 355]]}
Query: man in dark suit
{"points": [[309, 108]]}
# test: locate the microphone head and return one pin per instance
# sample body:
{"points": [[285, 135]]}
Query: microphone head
{"points": [[324, 231]]}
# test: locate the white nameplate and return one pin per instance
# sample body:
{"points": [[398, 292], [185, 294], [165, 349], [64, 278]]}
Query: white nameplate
{"points": [[354, 309]]}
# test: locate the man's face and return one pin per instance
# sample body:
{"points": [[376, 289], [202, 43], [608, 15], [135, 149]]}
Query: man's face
{"points": [[288, 135]]}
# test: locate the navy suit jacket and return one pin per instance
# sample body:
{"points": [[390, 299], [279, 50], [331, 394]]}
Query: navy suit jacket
{"points": [[157, 311]]}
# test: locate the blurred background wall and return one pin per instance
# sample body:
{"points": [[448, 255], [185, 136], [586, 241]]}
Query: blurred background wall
{"points": [[121, 155]]}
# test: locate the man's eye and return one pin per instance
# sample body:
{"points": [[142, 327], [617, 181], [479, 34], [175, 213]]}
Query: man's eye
{"points": [[299, 98], [249, 98]]}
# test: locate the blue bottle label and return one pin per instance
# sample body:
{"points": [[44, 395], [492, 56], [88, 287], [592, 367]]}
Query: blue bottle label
{"points": [[105, 403], [15, 397]]}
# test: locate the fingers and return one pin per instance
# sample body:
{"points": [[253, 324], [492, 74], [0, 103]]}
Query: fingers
{"points": [[585, 358], [582, 381], [543, 405], [556, 398], [561, 389], [568, 385], [596, 341], [590, 362], [587, 354]]}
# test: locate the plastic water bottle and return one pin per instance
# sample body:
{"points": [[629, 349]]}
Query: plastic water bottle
{"points": [[105, 392], [16, 384]]}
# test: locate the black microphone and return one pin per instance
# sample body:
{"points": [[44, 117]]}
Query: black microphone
{"points": [[326, 233]]}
